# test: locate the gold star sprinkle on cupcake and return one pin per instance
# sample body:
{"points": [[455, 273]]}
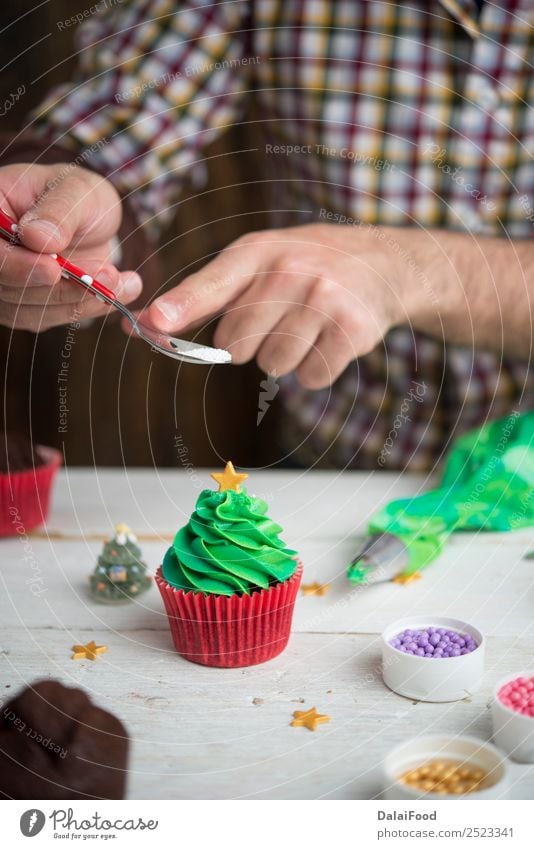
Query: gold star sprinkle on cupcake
{"points": [[315, 589], [406, 579], [308, 719], [229, 479], [88, 652]]}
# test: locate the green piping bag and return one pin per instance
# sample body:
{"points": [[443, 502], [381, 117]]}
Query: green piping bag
{"points": [[487, 485]]}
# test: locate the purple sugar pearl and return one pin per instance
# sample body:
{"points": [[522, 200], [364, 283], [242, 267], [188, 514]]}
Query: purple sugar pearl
{"points": [[433, 642]]}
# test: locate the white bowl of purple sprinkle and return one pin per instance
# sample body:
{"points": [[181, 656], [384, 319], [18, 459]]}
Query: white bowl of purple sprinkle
{"points": [[434, 642], [409, 644]]}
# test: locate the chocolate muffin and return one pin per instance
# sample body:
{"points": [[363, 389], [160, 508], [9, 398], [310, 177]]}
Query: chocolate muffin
{"points": [[56, 744], [18, 453], [27, 473]]}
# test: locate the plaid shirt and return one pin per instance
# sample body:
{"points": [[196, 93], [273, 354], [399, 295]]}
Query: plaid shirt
{"points": [[410, 114]]}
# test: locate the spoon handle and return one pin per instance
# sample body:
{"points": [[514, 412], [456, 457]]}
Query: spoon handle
{"points": [[9, 230]]}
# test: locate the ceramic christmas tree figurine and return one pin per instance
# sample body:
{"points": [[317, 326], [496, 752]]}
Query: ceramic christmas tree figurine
{"points": [[120, 574]]}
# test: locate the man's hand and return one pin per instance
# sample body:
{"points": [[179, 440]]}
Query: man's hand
{"points": [[308, 299], [66, 210]]}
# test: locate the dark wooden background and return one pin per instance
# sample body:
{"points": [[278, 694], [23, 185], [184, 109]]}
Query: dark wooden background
{"points": [[126, 404]]}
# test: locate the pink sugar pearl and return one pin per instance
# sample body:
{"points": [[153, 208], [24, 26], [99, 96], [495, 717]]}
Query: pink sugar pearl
{"points": [[518, 695]]}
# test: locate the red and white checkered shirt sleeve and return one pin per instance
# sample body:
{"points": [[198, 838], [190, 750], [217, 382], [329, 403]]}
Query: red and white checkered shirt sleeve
{"points": [[158, 81]]}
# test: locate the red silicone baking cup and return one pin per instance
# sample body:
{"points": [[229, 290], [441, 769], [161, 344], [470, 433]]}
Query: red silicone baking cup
{"points": [[230, 631], [25, 495]]}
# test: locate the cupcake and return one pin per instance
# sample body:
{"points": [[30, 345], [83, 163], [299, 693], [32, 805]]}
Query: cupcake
{"points": [[228, 581], [26, 475]]}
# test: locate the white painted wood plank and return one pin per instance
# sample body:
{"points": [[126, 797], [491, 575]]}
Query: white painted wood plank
{"points": [[221, 734], [484, 579], [160, 500]]}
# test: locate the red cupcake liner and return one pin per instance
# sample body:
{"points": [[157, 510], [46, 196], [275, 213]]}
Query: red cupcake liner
{"points": [[230, 631], [25, 495]]}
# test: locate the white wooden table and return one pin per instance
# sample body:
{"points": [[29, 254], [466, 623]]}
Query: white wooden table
{"points": [[217, 734]]}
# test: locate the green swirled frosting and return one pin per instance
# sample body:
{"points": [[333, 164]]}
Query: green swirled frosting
{"points": [[229, 546]]}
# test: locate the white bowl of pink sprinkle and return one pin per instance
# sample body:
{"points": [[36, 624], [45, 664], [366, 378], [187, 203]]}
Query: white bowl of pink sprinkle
{"points": [[512, 713]]}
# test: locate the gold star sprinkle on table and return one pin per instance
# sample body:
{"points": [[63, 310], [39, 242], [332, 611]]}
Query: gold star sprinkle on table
{"points": [[88, 652], [406, 579], [315, 589], [308, 719], [229, 479]]}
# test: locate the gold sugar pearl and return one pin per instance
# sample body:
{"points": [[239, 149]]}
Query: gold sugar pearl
{"points": [[449, 773], [445, 778]]}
